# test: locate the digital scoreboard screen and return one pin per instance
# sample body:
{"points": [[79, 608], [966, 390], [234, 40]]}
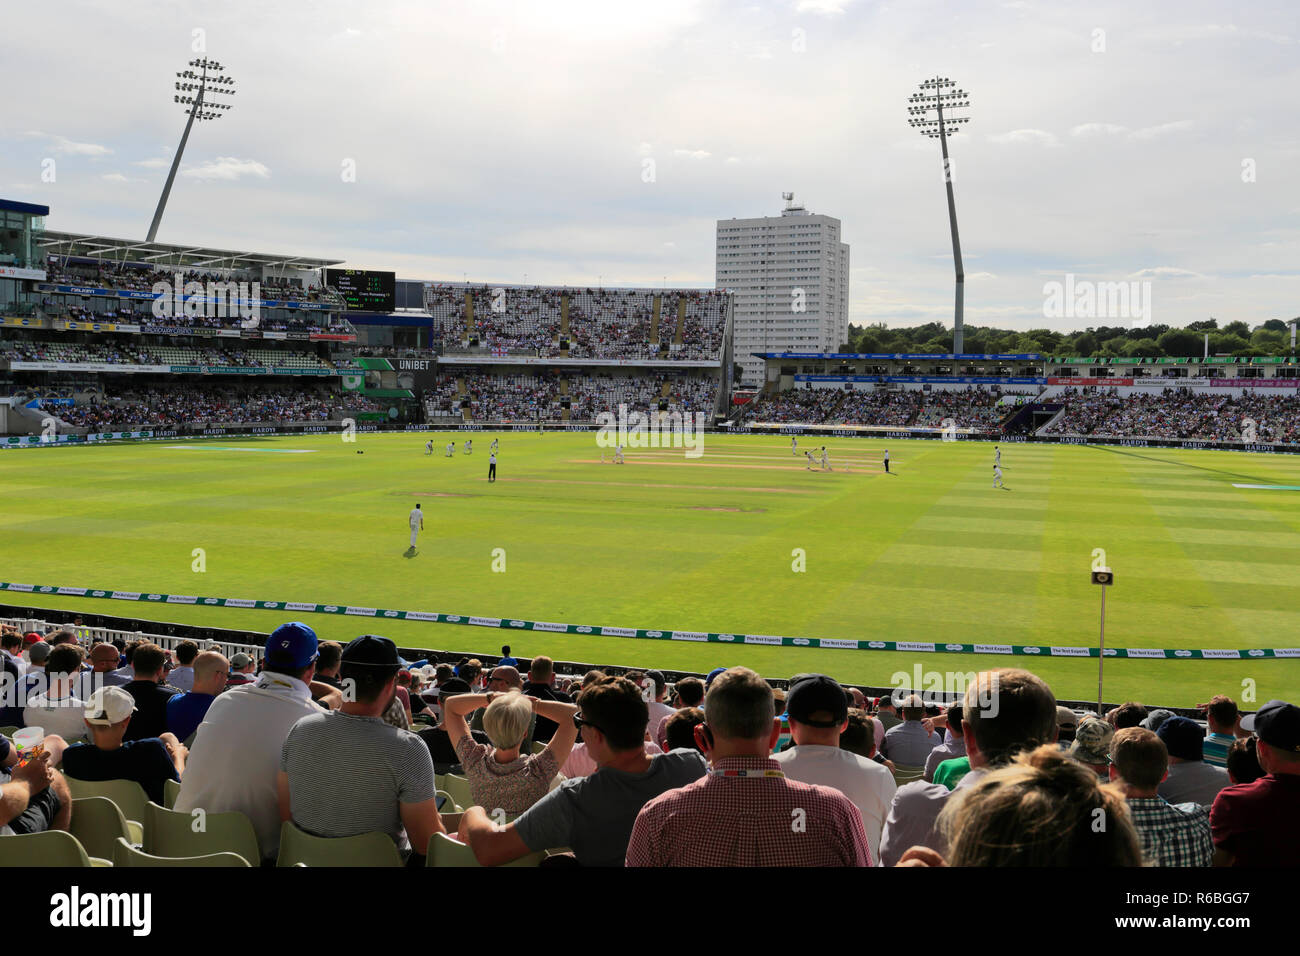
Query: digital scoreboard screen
{"points": [[365, 289]]}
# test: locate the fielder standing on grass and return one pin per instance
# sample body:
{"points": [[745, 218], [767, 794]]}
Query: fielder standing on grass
{"points": [[886, 461], [492, 466], [416, 519]]}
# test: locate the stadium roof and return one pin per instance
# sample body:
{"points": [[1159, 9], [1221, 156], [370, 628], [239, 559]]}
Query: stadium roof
{"points": [[903, 356], [76, 244], [31, 209]]}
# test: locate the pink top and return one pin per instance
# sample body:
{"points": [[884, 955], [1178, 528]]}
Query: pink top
{"points": [[580, 764]]}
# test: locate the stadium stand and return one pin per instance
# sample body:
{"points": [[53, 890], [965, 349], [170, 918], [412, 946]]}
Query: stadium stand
{"points": [[1020, 772]]}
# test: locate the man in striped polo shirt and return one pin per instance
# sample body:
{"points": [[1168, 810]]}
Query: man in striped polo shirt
{"points": [[347, 772], [1221, 717]]}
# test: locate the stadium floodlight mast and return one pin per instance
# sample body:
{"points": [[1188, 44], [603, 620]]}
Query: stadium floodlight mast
{"points": [[929, 111], [199, 89]]}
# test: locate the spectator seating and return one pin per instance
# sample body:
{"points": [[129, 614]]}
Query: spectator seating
{"points": [[368, 849]]}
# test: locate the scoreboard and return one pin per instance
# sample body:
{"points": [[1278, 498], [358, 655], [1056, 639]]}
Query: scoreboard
{"points": [[365, 289]]}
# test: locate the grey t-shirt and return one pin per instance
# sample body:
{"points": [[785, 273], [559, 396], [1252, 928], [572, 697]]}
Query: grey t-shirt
{"points": [[593, 816], [348, 774]]}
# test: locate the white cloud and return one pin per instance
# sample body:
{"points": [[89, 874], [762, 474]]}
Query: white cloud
{"points": [[1165, 272], [158, 162], [66, 147], [1032, 137], [1164, 129], [115, 178], [732, 160], [693, 153], [1097, 129], [227, 167], [824, 8]]}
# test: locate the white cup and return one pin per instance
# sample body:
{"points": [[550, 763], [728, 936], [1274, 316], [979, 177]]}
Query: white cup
{"points": [[28, 737]]}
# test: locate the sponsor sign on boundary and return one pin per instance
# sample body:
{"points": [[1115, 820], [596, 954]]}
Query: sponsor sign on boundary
{"points": [[724, 637]]}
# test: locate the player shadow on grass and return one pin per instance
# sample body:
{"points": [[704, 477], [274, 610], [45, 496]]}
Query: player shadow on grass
{"points": [[409, 553]]}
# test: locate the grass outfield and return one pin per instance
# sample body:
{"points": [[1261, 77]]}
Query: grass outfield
{"points": [[932, 553]]}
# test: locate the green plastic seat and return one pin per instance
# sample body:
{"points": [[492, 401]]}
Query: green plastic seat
{"points": [[459, 789], [170, 833], [97, 822], [171, 790], [451, 806], [127, 794], [8, 731], [446, 852], [49, 848], [366, 849], [125, 855]]}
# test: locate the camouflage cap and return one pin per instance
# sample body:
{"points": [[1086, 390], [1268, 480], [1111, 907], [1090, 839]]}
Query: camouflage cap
{"points": [[1092, 741]]}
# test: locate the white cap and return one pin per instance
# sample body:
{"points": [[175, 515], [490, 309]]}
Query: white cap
{"points": [[108, 706]]}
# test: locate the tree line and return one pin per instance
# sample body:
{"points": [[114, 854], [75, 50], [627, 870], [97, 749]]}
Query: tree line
{"points": [[1272, 338]]}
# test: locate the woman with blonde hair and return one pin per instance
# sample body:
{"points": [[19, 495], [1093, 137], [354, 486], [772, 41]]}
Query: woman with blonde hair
{"points": [[500, 777], [1041, 809]]}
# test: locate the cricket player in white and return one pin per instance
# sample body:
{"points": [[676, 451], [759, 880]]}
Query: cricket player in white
{"points": [[428, 447], [826, 462], [794, 446], [997, 455], [886, 461], [494, 445], [809, 456], [997, 476], [451, 448], [416, 518], [618, 455], [469, 446]]}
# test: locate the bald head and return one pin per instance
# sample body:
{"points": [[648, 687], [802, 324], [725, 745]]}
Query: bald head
{"points": [[505, 678], [104, 658], [211, 670]]}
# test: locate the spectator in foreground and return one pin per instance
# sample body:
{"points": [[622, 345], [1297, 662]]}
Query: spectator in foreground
{"points": [[1221, 716], [1028, 813], [1243, 761], [182, 676], [819, 714], [328, 662], [149, 692], [909, 743], [1129, 714], [1257, 824], [345, 772], [953, 746], [1091, 745], [33, 797], [688, 694], [500, 777], [58, 710], [208, 674], [541, 684], [1171, 835], [149, 761], [438, 740], [592, 815], [103, 661], [1004, 712], [656, 686], [235, 762], [242, 670], [679, 733], [1191, 779], [887, 714], [741, 813]]}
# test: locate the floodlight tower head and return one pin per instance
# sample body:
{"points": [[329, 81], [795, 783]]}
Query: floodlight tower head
{"points": [[200, 88], [930, 110]]}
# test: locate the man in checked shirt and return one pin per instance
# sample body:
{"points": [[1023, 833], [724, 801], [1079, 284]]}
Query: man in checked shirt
{"points": [[745, 812]]}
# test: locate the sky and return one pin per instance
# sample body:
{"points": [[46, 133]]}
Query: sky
{"points": [[584, 141]]}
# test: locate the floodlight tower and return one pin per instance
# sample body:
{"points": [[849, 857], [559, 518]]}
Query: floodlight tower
{"points": [[200, 92], [934, 98]]}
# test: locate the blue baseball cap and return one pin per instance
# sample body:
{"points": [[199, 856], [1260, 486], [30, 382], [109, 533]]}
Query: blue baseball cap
{"points": [[292, 646], [712, 674]]}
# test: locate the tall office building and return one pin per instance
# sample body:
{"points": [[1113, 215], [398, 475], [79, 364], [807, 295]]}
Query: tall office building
{"points": [[789, 278]]}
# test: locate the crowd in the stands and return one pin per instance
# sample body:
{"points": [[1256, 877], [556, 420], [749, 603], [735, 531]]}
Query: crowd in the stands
{"points": [[513, 762]]}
